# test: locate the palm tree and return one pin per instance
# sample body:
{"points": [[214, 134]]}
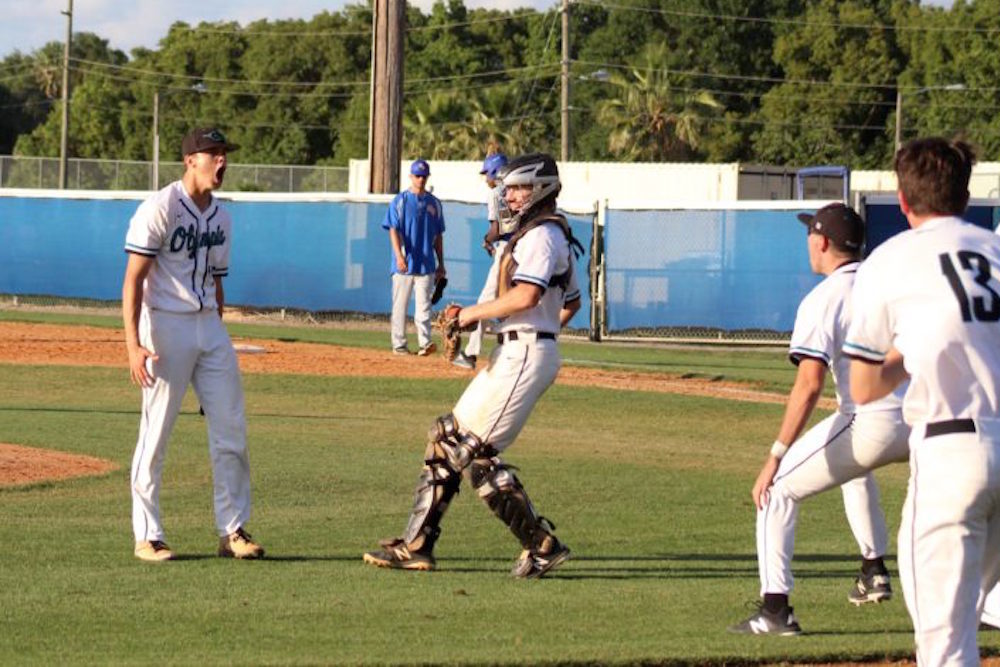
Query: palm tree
{"points": [[651, 120]]}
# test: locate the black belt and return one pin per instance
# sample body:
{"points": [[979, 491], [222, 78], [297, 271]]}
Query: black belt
{"points": [[950, 426], [512, 335]]}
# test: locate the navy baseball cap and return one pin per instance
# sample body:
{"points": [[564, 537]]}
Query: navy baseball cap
{"points": [[203, 139], [837, 222], [420, 168]]}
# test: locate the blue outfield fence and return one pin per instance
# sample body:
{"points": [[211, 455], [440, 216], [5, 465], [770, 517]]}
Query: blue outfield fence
{"points": [[314, 255], [723, 272], [720, 269]]}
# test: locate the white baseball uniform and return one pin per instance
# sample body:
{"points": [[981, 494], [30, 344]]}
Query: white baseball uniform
{"points": [[498, 401], [489, 291], [179, 321], [932, 293], [842, 449]]}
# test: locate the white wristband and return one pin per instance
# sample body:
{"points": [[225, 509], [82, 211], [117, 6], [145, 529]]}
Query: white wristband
{"points": [[779, 449]]}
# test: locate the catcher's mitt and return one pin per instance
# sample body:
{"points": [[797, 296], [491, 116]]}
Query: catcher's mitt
{"points": [[451, 333]]}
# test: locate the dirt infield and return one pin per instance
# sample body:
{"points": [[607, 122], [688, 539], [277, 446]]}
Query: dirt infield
{"points": [[91, 346], [27, 465], [54, 344]]}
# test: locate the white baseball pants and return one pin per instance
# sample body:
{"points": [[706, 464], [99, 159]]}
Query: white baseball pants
{"points": [[949, 539], [489, 292], [991, 608], [498, 401], [840, 450], [193, 348], [422, 286]]}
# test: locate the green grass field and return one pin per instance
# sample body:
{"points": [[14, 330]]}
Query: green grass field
{"points": [[650, 490]]}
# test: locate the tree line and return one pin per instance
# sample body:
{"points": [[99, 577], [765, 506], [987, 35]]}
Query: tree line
{"points": [[786, 82]]}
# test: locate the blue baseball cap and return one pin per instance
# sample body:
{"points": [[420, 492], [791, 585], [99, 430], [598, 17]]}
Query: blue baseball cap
{"points": [[493, 163], [420, 168]]}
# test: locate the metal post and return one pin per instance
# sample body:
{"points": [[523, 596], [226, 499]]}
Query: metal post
{"points": [[64, 134], [564, 152]]}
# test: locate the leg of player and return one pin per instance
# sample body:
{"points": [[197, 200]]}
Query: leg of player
{"points": [[439, 482], [402, 285], [170, 337], [495, 407], [423, 288], [956, 518], [839, 448], [864, 514], [217, 382], [991, 610]]}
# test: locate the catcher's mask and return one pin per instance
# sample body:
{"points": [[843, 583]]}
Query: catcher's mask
{"points": [[538, 170]]}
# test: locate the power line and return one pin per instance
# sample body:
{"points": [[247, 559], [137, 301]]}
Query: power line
{"points": [[802, 98], [892, 87], [307, 94], [193, 78], [354, 33], [796, 22]]}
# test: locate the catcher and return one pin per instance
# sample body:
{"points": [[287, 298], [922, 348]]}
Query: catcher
{"points": [[536, 296]]}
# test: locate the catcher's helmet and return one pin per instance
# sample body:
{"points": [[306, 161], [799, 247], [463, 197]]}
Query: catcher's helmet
{"points": [[493, 163], [538, 170]]}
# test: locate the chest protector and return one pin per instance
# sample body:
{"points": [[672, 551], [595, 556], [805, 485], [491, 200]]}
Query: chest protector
{"points": [[508, 267]]}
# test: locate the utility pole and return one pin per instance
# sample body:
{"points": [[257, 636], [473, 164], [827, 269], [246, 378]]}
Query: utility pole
{"points": [[385, 129], [564, 153], [64, 135], [156, 140]]}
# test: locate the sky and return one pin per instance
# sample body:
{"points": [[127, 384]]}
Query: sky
{"points": [[26, 25]]}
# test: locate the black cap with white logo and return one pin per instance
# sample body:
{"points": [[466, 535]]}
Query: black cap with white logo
{"points": [[837, 222], [203, 139]]}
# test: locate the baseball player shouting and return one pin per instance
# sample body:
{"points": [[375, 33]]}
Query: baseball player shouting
{"points": [[172, 299], [927, 304], [537, 294], [840, 450], [496, 238]]}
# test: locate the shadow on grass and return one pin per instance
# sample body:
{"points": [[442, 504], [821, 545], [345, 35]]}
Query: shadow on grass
{"points": [[268, 558], [274, 415], [663, 566]]}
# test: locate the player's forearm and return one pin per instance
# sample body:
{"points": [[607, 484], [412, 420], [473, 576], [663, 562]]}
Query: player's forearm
{"points": [[131, 305], [220, 295], [568, 311], [439, 250], [870, 382], [798, 409], [521, 297], [802, 399]]}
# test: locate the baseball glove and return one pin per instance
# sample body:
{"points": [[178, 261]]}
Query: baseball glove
{"points": [[451, 333], [439, 286]]}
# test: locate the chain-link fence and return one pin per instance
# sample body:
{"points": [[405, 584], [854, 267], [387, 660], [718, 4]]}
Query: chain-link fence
{"points": [[83, 174]]}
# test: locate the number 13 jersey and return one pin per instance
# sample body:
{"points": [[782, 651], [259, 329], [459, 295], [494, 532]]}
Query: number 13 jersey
{"points": [[933, 293]]}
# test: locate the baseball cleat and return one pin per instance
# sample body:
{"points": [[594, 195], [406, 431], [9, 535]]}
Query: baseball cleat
{"points": [[781, 623], [534, 565], [239, 545], [153, 551], [427, 350], [870, 588], [396, 555], [467, 361], [403, 350]]}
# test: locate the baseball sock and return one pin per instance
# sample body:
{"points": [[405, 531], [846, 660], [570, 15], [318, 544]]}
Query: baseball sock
{"points": [[870, 566], [775, 602]]}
